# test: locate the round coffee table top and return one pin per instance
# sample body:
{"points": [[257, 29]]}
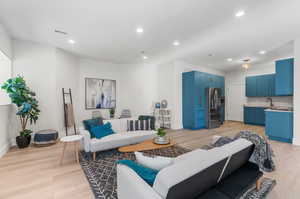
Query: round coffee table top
{"points": [[145, 146], [71, 138]]}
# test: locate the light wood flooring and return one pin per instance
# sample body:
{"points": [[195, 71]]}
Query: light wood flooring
{"points": [[36, 173]]}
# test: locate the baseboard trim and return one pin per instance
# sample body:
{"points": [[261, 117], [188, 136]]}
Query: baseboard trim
{"points": [[4, 149], [296, 142], [13, 142]]}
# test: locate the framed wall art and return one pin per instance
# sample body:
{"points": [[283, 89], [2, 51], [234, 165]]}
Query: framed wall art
{"points": [[100, 93]]}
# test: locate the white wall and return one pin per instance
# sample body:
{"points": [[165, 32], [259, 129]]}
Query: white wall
{"points": [[5, 42], [235, 91], [140, 86], [5, 73], [296, 140], [102, 70], [47, 70], [37, 64], [5, 47], [67, 76]]}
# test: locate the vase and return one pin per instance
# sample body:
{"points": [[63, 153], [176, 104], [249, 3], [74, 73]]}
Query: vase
{"points": [[23, 141], [161, 140]]}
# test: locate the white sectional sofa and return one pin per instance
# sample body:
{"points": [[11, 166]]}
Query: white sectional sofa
{"points": [[219, 173], [121, 137]]}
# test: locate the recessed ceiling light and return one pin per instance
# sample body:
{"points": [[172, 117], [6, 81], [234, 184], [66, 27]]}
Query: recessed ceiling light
{"points": [[262, 52], [145, 57], [71, 41], [139, 30], [176, 43], [229, 59], [240, 13]]}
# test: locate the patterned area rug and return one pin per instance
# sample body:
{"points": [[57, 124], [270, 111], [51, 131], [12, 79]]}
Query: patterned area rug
{"points": [[267, 185], [102, 174]]}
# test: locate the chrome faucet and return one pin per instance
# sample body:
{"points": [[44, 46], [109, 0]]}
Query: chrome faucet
{"points": [[271, 101]]}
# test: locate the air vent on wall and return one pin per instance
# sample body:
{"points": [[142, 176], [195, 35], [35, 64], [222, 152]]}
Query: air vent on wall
{"points": [[60, 32]]}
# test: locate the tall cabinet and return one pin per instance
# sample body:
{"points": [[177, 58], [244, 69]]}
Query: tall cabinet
{"points": [[194, 99]]}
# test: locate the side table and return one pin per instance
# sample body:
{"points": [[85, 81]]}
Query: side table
{"points": [[74, 139]]}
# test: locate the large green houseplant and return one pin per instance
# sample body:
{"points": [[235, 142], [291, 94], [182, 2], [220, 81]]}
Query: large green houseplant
{"points": [[27, 105]]}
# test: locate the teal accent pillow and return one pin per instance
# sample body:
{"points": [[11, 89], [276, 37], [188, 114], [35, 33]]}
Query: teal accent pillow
{"points": [[88, 124], [101, 131], [145, 173]]}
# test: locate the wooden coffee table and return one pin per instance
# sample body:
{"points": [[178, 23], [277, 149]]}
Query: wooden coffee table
{"points": [[144, 146]]}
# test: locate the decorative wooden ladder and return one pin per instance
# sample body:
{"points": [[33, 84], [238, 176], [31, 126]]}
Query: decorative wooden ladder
{"points": [[64, 104]]}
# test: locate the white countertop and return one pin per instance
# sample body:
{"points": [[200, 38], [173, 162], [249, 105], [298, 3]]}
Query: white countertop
{"points": [[253, 105], [274, 110]]}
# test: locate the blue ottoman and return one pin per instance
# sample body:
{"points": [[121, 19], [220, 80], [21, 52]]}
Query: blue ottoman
{"points": [[45, 137]]}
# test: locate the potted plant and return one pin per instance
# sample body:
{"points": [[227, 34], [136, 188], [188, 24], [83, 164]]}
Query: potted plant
{"points": [[112, 112], [27, 107], [161, 136]]}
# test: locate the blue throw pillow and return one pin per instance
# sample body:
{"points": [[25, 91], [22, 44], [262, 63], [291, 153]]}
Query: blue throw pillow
{"points": [[101, 131], [88, 124], [145, 173]]}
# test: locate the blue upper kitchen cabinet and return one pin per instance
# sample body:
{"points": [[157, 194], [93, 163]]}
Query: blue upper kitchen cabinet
{"points": [[271, 85], [220, 84], [284, 79], [260, 86], [251, 86]]}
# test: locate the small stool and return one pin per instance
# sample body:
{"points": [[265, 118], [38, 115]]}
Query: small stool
{"points": [[75, 139], [45, 137]]}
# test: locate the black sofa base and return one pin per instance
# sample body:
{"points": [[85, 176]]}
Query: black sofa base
{"points": [[235, 185]]}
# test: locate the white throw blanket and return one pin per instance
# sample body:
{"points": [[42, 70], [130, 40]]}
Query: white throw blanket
{"points": [[262, 154]]}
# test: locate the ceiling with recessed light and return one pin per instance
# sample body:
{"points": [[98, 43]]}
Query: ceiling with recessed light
{"points": [[117, 31]]}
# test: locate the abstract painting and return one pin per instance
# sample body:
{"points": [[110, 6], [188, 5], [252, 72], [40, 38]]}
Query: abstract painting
{"points": [[100, 93]]}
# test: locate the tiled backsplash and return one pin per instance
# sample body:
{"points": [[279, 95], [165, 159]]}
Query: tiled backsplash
{"points": [[286, 101]]}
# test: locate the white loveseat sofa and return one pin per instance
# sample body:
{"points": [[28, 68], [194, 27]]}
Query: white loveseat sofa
{"points": [[199, 174], [121, 137]]}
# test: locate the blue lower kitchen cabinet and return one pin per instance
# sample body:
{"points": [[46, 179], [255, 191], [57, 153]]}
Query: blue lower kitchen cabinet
{"points": [[260, 116], [279, 125], [254, 115]]}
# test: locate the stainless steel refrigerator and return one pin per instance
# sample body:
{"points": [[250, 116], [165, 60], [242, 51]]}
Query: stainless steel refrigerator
{"points": [[214, 107]]}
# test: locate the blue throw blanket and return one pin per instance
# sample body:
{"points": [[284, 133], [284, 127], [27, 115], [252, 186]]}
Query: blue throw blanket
{"points": [[262, 154]]}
